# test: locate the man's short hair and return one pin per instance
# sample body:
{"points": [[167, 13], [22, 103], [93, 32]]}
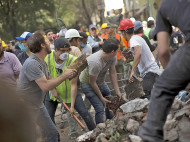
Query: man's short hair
{"points": [[35, 41], [83, 35], [138, 30], [110, 45], [150, 23], [47, 31]]}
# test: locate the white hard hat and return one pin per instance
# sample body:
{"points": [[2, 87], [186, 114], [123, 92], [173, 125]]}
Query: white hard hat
{"points": [[71, 33], [133, 19], [150, 18]]}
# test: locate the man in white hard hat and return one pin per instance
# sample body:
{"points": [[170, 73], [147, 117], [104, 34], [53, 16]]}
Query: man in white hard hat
{"points": [[73, 36], [150, 19]]}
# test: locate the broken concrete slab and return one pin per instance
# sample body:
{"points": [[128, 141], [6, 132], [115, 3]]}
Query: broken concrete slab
{"points": [[132, 126], [170, 124], [135, 138], [171, 135], [184, 129], [134, 105]]}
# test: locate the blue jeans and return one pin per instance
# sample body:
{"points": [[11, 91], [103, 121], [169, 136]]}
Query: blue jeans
{"points": [[48, 128], [175, 78], [96, 102], [79, 106]]}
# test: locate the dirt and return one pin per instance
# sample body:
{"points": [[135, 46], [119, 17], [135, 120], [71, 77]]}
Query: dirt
{"points": [[63, 128], [115, 103]]}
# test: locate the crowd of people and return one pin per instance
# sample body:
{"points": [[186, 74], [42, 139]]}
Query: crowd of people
{"points": [[36, 68]]}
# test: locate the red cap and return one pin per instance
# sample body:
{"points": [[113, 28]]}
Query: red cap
{"points": [[126, 24]]}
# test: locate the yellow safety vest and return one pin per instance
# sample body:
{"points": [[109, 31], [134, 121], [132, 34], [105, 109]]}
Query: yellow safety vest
{"points": [[64, 89]]}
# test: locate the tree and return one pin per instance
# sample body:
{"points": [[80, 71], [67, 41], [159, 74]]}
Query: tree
{"points": [[18, 16]]}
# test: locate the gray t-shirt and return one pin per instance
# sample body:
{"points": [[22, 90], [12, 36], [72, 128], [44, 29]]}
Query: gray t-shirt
{"points": [[96, 67], [147, 62], [32, 69]]}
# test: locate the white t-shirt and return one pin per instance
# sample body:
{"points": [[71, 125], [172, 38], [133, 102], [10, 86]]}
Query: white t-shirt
{"points": [[147, 62], [87, 50], [52, 46]]}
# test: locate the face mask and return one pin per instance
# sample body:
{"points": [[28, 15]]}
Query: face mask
{"points": [[64, 56], [82, 45], [21, 46]]}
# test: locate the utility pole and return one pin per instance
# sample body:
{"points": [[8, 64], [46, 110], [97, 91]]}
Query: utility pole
{"points": [[150, 8]]}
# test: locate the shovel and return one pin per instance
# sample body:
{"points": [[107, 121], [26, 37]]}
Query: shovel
{"points": [[74, 116]]}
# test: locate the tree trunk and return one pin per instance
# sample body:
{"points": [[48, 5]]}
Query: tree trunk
{"points": [[87, 13]]}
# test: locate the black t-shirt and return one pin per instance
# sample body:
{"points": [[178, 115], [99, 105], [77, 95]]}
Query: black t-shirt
{"points": [[176, 13]]}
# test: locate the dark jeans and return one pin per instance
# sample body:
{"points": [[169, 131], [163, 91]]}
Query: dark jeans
{"points": [[79, 106], [175, 78], [96, 102], [48, 128], [148, 82]]}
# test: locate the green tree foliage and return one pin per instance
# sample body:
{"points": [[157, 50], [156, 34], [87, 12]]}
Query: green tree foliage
{"points": [[17, 16]]}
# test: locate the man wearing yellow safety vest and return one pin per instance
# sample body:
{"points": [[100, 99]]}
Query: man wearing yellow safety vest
{"points": [[57, 62]]}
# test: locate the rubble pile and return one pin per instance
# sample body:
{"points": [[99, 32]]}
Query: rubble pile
{"points": [[130, 116], [115, 103], [134, 90]]}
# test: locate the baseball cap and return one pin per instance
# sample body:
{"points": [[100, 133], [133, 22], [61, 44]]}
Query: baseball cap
{"points": [[24, 36], [61, 42], [92, 26], [138, 25]]}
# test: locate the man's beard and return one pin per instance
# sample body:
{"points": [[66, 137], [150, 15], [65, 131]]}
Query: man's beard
{"points": [[51, 39], [48, 50]]}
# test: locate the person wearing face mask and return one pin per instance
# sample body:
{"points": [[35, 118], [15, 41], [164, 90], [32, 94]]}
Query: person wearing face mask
{"points": [[24, 47], [57, 62], [85, 48]]}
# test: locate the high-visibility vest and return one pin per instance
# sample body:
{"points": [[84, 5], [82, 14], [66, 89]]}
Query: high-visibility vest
{"points": [[103, 36], [117, 36], [125, 42], [64, 89]]}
